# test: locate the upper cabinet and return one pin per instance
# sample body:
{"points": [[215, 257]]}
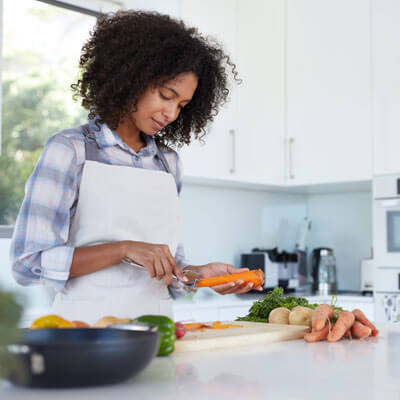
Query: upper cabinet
{"points": [[303, 112], [260, 118], [386, 85], [215, 157], [329, 135], [246, 140]]}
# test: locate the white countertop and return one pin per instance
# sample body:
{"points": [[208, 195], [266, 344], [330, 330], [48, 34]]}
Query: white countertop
{"points": [[368, 369]]}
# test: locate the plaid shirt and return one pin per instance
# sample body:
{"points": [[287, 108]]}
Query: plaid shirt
{"points": [[39, 254]]}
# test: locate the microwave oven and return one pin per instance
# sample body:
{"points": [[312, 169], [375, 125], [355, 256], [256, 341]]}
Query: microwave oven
{"points": [[386, 220]]}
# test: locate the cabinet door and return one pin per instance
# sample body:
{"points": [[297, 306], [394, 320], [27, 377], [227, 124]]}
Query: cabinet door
{"points": [[329, 134], [260, 97], [386, 85], [215, 158]]}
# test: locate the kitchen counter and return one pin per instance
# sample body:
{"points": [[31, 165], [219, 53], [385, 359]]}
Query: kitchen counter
{"points": [[368, 369]]}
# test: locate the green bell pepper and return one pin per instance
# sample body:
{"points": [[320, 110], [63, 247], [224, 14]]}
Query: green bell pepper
{"points": [[167, 329]]}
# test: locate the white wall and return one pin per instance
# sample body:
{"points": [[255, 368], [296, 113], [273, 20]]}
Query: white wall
{"points": [[220, 223], [170, 7]]}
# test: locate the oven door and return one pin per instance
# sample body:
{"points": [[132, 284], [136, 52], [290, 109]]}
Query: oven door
{"points": [[387, 232]]}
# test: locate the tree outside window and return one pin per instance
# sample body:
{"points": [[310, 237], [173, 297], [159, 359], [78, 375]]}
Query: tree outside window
{"points": [[41, 49]]}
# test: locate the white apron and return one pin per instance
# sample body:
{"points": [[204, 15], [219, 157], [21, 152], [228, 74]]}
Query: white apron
{"points": [[121, 203]]}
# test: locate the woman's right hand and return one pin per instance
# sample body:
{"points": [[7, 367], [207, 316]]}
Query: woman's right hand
{"points": [[156, 258]]}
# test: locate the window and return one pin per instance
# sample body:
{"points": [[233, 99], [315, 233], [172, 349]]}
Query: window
{"points": [[41, 45], [40, 55]]}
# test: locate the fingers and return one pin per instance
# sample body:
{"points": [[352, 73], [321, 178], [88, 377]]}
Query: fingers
{"points": [[174, 267], [167, 271], [159, 269], [233, 287], [233, 270]]}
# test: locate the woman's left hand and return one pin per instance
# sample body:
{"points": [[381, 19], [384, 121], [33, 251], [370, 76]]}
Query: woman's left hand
{"points": [[216, 269]]}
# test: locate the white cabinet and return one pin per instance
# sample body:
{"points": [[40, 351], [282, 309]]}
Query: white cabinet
{"points": [[260, 118], [386, 85], [246, 140], [303, 112], [216, 158], [329, 134]]}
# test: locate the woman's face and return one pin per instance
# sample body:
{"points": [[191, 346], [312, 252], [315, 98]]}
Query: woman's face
{"points": [[160, 106]]}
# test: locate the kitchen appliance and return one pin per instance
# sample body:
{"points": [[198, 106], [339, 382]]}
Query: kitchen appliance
{"points": [[323, 266], [301, 251], [82, 356], [386, 240], [367, 276], [280, 268], [249, 333]]}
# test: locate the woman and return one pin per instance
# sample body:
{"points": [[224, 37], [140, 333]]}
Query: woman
{"points": [[107, 191]]}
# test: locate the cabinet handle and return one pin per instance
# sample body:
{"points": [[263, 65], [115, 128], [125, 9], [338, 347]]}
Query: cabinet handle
{"points": [[233, 166], [291, 174]]}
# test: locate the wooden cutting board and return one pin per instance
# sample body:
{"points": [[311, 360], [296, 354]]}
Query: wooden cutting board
{"points": [[250, 333]]}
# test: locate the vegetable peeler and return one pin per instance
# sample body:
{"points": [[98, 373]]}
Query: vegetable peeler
{"points": [[176, 288]]}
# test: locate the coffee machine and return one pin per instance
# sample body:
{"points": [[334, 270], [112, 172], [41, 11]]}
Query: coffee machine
{"points": [[280, 268], [323, 269]]}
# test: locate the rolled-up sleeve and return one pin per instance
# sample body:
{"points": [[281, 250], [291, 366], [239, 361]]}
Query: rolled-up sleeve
{"points": [[39, 252]]}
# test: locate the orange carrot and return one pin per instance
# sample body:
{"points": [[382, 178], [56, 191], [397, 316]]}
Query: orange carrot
{"points": [[344, 322], [360, 316], [321, 315], [360, 331], [348, 334], [255, 276], [317, 336]]}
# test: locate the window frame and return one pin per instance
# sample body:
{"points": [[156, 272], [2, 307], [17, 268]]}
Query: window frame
{"points": [[94, 8]]}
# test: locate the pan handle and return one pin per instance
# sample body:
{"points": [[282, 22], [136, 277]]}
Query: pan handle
{"points": [[37, 363]]}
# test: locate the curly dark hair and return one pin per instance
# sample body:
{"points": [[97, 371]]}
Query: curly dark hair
{"points": [[129, 50]]}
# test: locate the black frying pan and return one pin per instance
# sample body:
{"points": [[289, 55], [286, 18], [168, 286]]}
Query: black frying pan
{"points": [[82, 356]]}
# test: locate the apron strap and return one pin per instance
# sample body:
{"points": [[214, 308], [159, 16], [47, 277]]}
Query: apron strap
{"points": [[91, 146], [93, 154], [163, 160]]}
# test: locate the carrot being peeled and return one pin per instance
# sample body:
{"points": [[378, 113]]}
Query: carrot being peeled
{"points": [[255, 276], [360, 316], [345, 321], [321, 315]]}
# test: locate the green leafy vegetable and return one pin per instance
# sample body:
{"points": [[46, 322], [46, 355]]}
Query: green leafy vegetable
{"points": [[260, 310], [337, 309]]}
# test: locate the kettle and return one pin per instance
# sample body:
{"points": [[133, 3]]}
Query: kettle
{"points": [[323, 269]]}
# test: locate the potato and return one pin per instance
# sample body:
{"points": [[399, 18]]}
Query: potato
{"points": [[279, 315], [106, 321], [301, 316]]}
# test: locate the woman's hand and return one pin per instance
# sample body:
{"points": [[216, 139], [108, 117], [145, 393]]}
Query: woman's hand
{"points": [[216, 269], [156, 258]]}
